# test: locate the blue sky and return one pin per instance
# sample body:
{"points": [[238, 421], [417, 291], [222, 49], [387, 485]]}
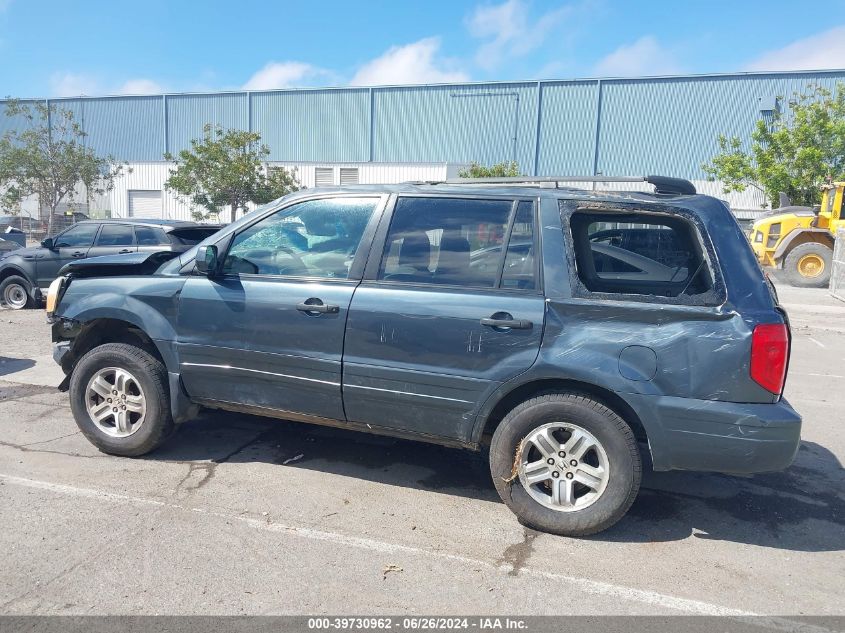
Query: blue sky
{"points": [[50, 48]]}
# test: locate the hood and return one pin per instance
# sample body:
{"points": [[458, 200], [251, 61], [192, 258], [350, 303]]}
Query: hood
{"points": [[24, 250], [116, 265], [785, 213]]}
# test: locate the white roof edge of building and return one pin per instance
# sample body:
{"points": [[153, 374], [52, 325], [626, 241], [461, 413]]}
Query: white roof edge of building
{"points": [[526, 82]]}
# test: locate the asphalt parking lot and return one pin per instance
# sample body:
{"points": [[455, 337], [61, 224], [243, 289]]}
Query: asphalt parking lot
{"points": [[239, 514]]}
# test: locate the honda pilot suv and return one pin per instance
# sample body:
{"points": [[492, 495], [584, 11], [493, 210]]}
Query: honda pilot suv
{"points": [[572, 336]]}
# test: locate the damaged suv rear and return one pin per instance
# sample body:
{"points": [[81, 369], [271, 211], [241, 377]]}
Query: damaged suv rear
{"points": [[570, 335]]}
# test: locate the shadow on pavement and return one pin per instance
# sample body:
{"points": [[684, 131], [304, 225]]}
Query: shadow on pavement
{"points": [[800, 509], [14, 365]]}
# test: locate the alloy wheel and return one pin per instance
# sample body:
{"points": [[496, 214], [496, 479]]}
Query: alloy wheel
{"points": [[563, 466], [115, 402]]}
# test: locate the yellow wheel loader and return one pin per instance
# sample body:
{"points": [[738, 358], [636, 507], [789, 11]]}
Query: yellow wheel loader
{"points": [[799, 240]]}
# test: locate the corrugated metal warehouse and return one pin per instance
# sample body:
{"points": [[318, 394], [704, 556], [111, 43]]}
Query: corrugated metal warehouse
{"points": [[661, 125]]}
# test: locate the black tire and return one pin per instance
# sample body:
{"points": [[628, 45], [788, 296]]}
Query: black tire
{"points": [[15, 285], [616, 438], [151, 375], [793, 272]]}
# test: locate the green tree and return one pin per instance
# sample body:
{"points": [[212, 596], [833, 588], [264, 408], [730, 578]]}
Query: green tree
{"points": [[226, 168], [499, 170], [796, 152], [48, 157]]}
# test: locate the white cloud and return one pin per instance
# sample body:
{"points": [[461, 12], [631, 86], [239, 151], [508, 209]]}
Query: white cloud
{"points": [[644, 57], [820, 51], [282, 75], [67, 84], [509, 30], [140, 87], [413, 63], [73, 85]]}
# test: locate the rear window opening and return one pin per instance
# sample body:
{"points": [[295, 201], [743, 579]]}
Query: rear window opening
{"points": [[639, 253]]}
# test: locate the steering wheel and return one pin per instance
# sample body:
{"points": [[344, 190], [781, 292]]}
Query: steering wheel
{"points": [[300, 265]]}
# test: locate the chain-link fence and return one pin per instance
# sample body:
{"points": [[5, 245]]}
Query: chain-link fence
{"points": [[837, 276]]}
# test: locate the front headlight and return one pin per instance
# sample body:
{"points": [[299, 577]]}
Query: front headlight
{"points": [[53, 293]]}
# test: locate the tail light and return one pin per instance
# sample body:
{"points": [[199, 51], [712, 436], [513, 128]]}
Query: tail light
{"points": [[769, 355]]}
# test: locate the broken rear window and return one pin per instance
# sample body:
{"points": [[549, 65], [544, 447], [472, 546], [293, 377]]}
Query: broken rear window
{"points": [[639, 253]]}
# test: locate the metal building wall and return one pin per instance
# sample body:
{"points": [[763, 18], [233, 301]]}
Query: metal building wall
{"points": [[187, 114], [670, 126], [567, 128], [610, 126], [456, 123], [313, 125], [151, 176]]}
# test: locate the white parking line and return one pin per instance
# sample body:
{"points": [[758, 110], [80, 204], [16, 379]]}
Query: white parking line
{"points": [[801, 373], [685, 605], [819, 343]]}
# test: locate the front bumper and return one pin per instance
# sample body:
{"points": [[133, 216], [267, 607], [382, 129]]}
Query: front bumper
{"points": [[60, 351], [727, 437]]}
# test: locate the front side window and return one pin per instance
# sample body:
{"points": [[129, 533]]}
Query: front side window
{"points": [[457, 242], [79, 236], [639, 254], [316, 238], [115, 235]]}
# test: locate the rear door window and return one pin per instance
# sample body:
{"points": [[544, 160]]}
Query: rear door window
{"points": [[460, 242], [642, 254], [115, 235]]}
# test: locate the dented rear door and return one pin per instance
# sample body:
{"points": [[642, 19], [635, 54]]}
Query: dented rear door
{"points": [[423, 351]]}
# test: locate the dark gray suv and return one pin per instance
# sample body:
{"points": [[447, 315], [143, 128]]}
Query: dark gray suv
{"points": [[26, 272], [571, 335]]}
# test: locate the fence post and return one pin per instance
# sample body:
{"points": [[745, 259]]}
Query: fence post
{"points": [[837, 276]]}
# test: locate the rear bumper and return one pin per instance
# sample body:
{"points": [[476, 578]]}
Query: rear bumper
{"points": [[728, 437]]}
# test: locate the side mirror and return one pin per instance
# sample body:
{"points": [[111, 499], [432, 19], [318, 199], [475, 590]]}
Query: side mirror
{"points": [[206, 260], [47, 243]]}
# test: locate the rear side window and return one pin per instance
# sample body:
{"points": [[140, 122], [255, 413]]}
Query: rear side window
{"points": [[640, 253], [150, 236], [115, 235]]}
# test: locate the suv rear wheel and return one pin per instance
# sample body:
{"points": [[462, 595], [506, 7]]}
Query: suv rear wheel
{"points": [[120, 399], [14, 292], [565, 464]]}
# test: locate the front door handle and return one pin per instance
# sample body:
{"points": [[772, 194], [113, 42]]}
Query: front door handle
{"points": [[505, 320], [316, 306], [124, 250], [78, 254]]}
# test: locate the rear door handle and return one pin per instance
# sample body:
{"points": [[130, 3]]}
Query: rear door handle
{"points": [[316, 306], [507, 322], [125, 250]]}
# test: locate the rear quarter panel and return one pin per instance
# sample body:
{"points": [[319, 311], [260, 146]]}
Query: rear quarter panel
{"points": [[653, 349]]}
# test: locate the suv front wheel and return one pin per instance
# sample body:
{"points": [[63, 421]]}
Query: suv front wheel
{"points": [[120, 399], [14, 292], [565, 464]]}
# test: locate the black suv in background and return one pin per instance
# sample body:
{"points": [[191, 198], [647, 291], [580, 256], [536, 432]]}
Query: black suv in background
{"points": [[26, 272]]}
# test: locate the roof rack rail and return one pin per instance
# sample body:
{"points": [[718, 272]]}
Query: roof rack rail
{"points": [[662, 184]]}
